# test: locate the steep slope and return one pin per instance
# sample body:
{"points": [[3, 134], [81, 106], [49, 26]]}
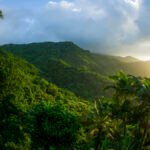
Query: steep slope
{"points": [[22, 90], [67, 52], [66, 65], [73, 68], [19, 76]]}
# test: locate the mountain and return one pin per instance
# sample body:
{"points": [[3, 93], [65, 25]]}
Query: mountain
{"points": [[17, 73], [128, 59], [80, 71], [141, 68]]}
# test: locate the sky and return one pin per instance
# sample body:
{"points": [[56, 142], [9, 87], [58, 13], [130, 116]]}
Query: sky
{"points": [[115, 27]]}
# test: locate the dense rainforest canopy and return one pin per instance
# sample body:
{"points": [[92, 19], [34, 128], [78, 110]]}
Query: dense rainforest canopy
{"points": [[39, 111]]}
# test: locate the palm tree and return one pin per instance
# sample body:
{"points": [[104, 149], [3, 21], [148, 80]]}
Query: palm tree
{"points": [[132, 95], [102, 128]]}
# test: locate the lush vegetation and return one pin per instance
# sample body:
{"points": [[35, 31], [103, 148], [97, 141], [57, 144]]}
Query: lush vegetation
{"points": [[123, 120], [1, 14], [70, 67], [31, 108], [37, 114]]}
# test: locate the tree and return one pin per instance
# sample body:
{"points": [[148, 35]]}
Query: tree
{"points": [[1, 14], [53, 126], [132, 96]]}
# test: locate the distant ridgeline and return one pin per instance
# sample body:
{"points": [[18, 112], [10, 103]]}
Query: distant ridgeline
{"points": [[80, 71]]}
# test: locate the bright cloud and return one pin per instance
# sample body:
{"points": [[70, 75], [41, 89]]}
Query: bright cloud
{"points": [[64, 5], [134, 3], [52, 3]]}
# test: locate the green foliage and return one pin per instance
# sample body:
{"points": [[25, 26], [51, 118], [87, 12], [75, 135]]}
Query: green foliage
{"points": [[122, 122], [17, 96], [132, 107], [53, 126], [37, 114], [1, 14], [24, 95], [68, 66]]}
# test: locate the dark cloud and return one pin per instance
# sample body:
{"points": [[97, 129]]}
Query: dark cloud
{"points": [[111, 26]]}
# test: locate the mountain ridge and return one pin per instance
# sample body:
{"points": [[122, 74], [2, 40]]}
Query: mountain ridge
{"points": [[80, 71]]}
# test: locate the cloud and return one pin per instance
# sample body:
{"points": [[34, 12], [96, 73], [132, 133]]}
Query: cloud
{"points": [[143, 21], [112, 26], [52, 3], [134, 3], [63, 4], [66, 4]]}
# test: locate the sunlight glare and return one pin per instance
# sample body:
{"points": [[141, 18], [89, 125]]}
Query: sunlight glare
{"points": [[134, 3], [144, 58]]}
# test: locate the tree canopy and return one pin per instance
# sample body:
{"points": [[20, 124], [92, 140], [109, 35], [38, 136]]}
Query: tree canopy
{"points": [[1, 14], [37, 114]]}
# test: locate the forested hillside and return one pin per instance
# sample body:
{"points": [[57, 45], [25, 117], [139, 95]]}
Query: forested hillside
{"points": [[78, 70], [28, 101], [37, 114]]}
